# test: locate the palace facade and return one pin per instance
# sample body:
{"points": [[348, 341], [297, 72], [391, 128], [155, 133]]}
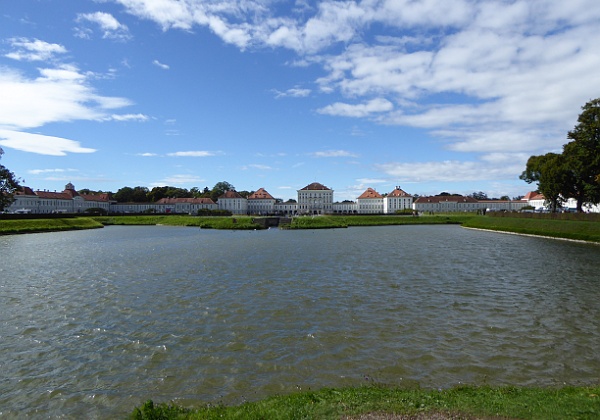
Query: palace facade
{"points": [[314, 199]]}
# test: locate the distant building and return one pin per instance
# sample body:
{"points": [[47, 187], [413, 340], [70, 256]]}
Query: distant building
{"points": [[233, 202], [315, 198], [261, 202], [370, 202], [397, 200], [67, 201]]}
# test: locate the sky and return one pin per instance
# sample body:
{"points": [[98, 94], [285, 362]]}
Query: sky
{"points": [[429, 95]]}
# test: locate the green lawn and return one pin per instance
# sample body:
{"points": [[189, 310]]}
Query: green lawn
{"points": [[462, 402], [46, 225]]}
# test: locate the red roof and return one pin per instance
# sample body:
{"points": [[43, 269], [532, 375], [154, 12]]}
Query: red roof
{"points": [[315, 186], [261, 194], [370, 193], [398, 193], [231, 194], [95, 197], [53, 195], [445, 198], [25, 191], [534, 195]]}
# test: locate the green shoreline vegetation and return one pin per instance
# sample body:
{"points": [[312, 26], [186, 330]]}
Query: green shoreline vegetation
{"points": [[570, 226], [381, 402]]}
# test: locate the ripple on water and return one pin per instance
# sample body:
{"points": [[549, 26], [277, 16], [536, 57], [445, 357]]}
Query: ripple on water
{"points": [[195, 315]]}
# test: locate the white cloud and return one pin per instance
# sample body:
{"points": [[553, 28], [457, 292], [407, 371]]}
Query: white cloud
{"points": [[111, 28], [46, 171], [161, 65], [195, 153], [33, 50], [40, 144], [257, 166], [293, 93], [449, 171], [333, 153], [60, 94], [483, 76], [147, 154], [359, 110], [179, 179], [129, 117]]}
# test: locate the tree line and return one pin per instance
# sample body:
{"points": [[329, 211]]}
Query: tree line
{"points": [[574, 173]]}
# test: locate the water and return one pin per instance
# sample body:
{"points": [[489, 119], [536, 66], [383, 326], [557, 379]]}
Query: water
{"points": [[93, 323]]}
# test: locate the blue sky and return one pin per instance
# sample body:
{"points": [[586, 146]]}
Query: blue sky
{"points": [[431, 95]]}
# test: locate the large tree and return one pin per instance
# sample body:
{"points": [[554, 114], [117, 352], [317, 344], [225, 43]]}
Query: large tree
{"points": [[552, 175], [219, 189], [8, 185], [582, 154]]}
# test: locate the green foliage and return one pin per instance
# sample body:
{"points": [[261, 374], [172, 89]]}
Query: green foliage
{"points": [[131, 195], [576, 172], [219, 189], [553, 176], [457, 402], [9, 184]]}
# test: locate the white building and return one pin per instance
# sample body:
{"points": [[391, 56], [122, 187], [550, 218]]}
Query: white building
{"points": [[315, 198], [67, 201], [397, 200], [370, 202], [345, 207], [232, 201], [261, 202]]}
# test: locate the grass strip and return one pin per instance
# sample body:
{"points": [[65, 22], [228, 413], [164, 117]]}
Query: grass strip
{"points": [[46, 225], [464, 402], [567, 229], [330, 222], [225, 222]]}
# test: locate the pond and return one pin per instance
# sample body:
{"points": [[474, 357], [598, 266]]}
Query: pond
{"points": [[93, 323]]}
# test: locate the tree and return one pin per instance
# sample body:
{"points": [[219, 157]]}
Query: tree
{"points": [[552, 175], [479, 195], [219, 189], [583, 155], [8, 185]]}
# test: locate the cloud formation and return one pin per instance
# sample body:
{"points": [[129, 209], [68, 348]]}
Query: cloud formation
{"points": [[110, 27], [480, 75]]}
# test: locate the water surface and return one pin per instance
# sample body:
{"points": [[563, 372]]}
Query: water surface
{"points": [[93, 323]]}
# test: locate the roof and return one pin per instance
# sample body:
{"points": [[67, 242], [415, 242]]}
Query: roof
{"points": [[315, 186], [231, 194], [185, 201], [53, 195], [261, 194], [534, 195], [95, 197], [25, 191], [370, 193], [398, 193], [446, 198]]}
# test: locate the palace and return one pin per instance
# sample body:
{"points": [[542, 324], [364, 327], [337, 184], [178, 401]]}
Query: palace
{"points": [[314, 199]]}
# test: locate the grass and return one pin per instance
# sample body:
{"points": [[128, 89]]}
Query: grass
{"points": [[225, 222], [46, 225], [555, 228], [462, 402], [322, 222]]}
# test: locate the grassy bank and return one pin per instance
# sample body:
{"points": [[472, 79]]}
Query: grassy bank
{"points": [[322, 222], [46, 225], [224, 222], [463, 402], [567, 229]]}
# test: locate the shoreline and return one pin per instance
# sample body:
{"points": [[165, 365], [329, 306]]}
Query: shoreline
{"points": [[531, 235]]}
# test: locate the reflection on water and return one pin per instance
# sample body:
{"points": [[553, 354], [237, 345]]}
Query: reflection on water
{"points": [[95, 322]]}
